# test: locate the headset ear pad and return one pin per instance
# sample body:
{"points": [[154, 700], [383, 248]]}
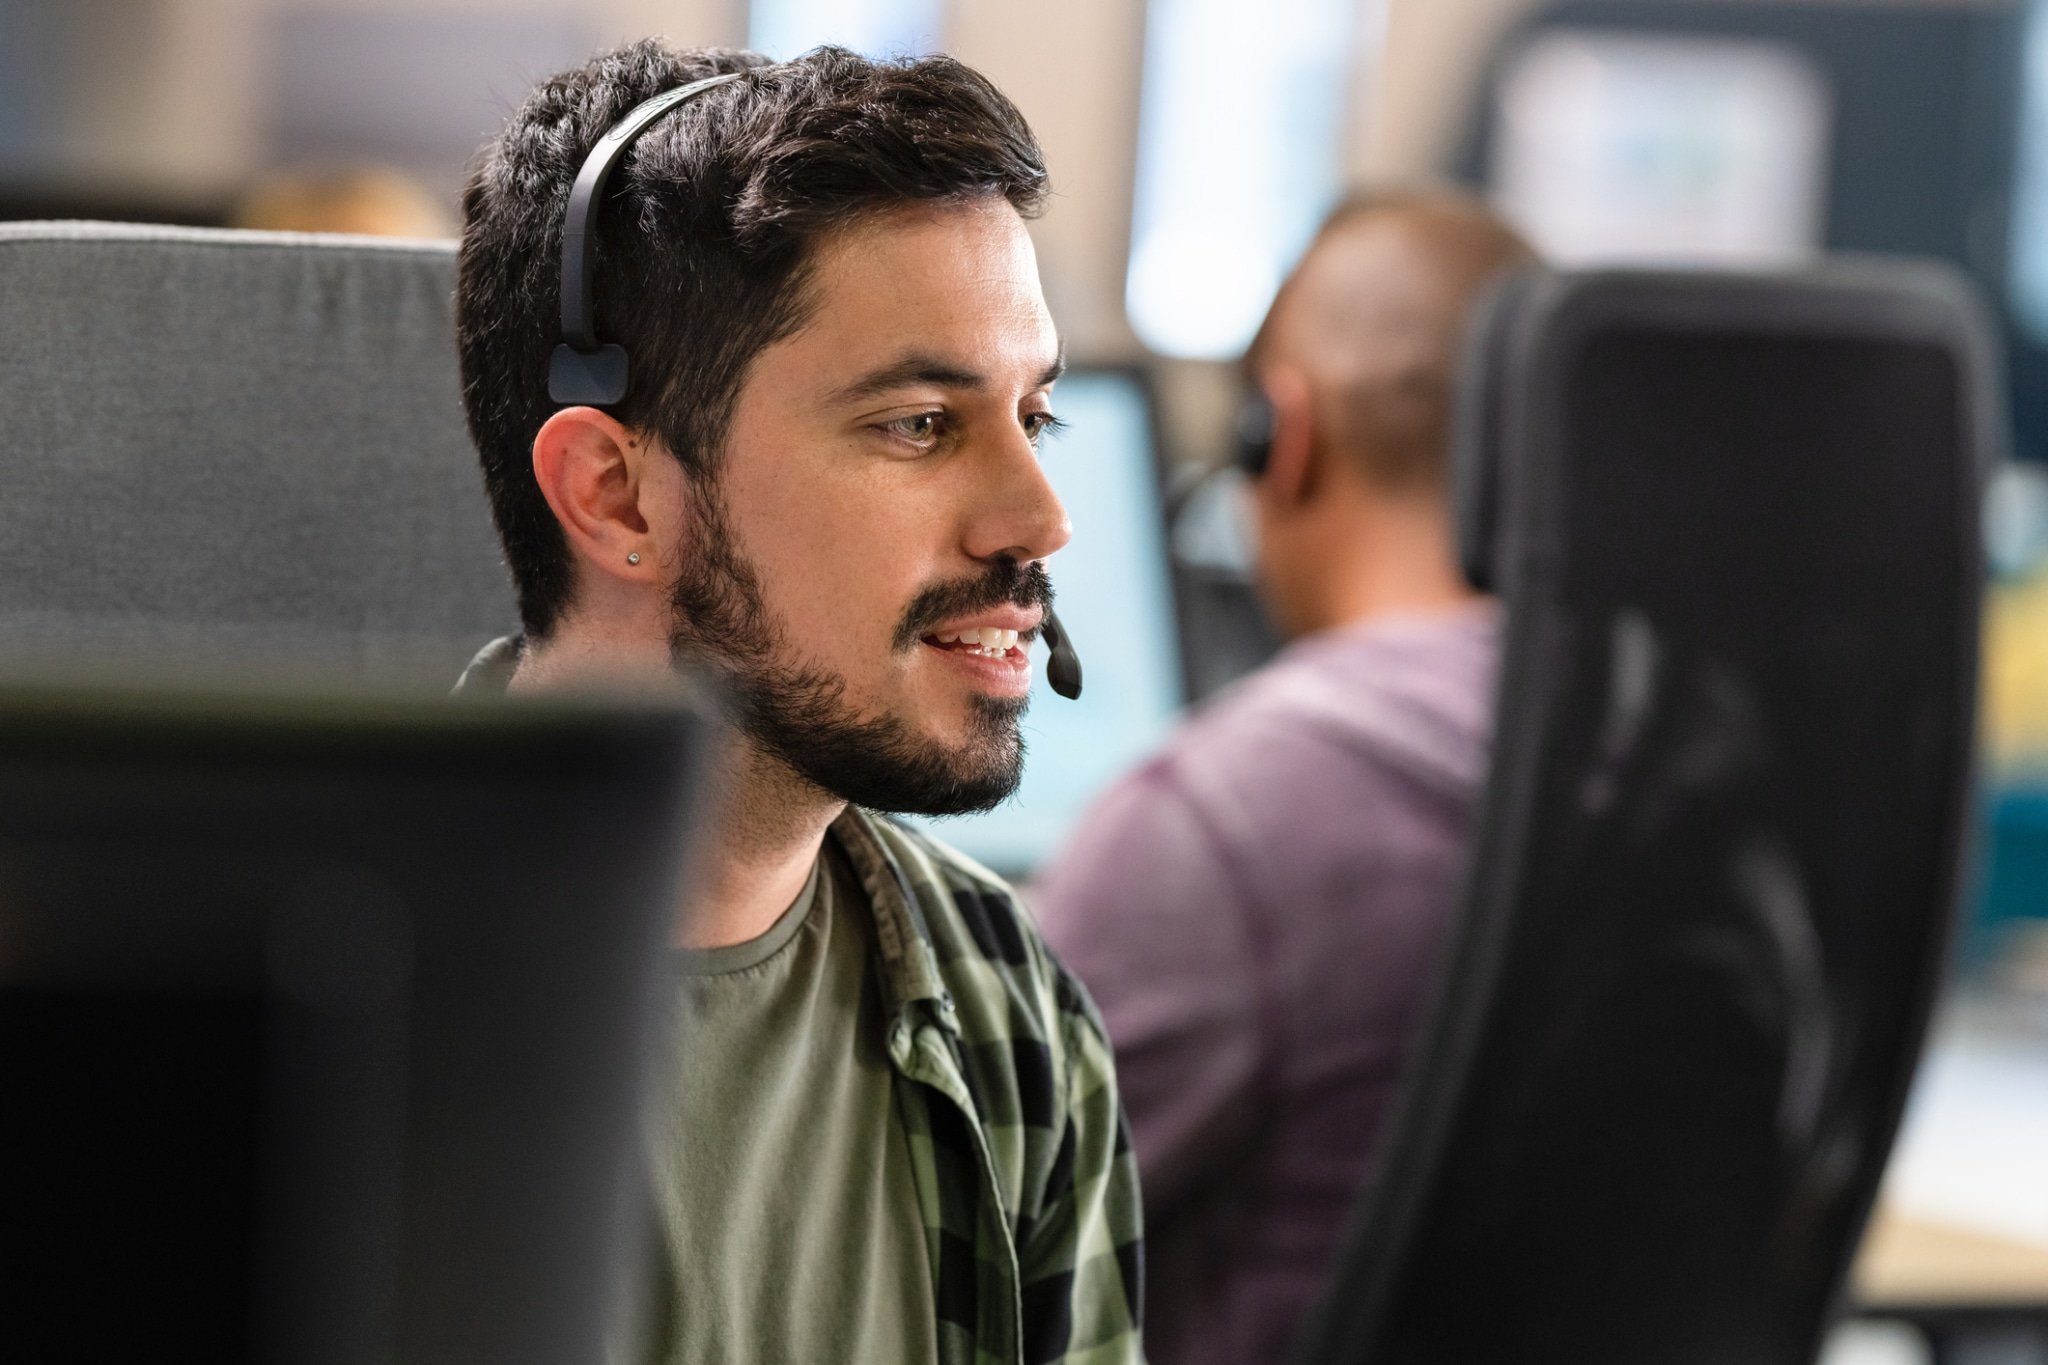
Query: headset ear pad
{"points": [[1479, 425], [597, 379], [1254, 432]]}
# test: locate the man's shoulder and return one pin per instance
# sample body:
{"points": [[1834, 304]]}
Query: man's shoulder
{"points": [[489, 674], [1030, 1039], [1292, 766], [1007, 987], [970, 913], [1411, 701]]}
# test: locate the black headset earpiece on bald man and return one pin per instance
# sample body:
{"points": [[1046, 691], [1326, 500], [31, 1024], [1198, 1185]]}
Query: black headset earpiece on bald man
{"points": [[585, 371], [1253, 435]]}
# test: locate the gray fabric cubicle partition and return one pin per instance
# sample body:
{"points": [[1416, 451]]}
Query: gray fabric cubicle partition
{"points": [[237, 448]]}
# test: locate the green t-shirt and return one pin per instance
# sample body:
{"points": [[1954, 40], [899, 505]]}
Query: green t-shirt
{"points": [[788, 1203]]}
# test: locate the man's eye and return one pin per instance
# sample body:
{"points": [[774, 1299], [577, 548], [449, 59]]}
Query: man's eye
{"points": [[920, 428], [1038, 425]]}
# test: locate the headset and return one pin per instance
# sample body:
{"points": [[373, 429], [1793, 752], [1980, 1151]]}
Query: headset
{"points": [[585, 371], [1253, 433]]}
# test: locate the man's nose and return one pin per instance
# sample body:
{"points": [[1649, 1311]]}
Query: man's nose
{"points": [[1018, 515]]}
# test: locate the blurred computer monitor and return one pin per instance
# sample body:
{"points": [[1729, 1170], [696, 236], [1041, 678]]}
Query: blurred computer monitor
{"points": [[324, 1023], [1614, 148], [1116, 599]]}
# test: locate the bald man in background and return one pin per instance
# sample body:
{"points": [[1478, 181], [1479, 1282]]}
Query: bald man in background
{"points": [[1258, 909]]}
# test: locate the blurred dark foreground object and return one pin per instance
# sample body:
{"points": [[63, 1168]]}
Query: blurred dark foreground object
{"points": [[1734, 522], [324, 1024]]}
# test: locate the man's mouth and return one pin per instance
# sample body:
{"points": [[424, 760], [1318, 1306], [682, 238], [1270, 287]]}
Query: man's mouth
{"points": [[987, 642]]}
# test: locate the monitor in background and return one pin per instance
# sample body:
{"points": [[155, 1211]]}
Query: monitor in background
{"points": [[1116, 598], [1613, 148], [1934, 134]]}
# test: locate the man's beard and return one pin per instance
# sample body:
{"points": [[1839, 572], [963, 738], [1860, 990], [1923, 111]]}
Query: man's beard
{"points": [[799, 713]]}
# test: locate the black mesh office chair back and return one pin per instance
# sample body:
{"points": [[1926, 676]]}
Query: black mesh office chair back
{"points": [[1734, 524]]}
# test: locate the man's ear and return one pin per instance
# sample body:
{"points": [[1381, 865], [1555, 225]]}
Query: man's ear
{"points": [[1292, 472], [592, 470]]}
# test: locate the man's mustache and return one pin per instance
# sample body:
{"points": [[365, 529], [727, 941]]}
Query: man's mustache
{"points": [[1007, 583]]}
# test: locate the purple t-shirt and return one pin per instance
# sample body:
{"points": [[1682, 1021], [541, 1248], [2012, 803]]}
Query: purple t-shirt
{"points": [[1257, 912]]}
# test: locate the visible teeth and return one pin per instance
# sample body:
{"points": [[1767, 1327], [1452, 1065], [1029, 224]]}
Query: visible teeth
{"points": [[990, 641]]}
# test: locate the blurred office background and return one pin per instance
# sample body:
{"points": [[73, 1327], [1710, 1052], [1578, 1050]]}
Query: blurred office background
{"points": [[1194, 145]]}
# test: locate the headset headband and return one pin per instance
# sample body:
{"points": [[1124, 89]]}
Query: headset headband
{"points": [[583, 369]]}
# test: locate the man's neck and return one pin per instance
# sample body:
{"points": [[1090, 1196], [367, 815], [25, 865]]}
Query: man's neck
{"points": [[1393, 557], [753, 859], [754, 853]]}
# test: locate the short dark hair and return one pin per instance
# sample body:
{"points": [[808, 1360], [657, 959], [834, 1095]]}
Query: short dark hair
{"points": [[703, 245]]}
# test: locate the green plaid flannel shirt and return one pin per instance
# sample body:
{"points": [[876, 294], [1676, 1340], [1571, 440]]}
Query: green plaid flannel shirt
{"points": [[1025, 1178]]}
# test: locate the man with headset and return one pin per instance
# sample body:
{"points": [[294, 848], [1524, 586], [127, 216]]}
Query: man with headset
{"points": [[1258, 907], [756, 359]]}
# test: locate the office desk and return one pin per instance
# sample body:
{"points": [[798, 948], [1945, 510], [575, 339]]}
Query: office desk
{"points": [[1970, 1295], [1959, 1243], [1908, 1260]]}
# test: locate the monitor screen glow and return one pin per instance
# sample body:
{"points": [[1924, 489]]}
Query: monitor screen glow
{"points": [[1617, 148]]}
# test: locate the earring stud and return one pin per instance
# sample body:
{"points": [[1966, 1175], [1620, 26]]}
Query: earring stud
{"points": [[633, 558]]}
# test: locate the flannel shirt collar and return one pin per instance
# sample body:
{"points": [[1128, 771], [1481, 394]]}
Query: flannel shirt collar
{"points": [[910, 967]]}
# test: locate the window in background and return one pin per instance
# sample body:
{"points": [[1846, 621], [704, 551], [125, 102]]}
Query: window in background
{"points": [[1621, 148], [2030, 182], [876, 28], [1240, 145]]}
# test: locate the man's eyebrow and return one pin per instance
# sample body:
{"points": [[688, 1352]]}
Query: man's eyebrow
{"points": [[911, 369], [930, 370]]}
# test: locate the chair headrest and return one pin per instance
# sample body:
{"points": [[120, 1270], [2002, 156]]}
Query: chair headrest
{"points": [[1536, 331]]}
